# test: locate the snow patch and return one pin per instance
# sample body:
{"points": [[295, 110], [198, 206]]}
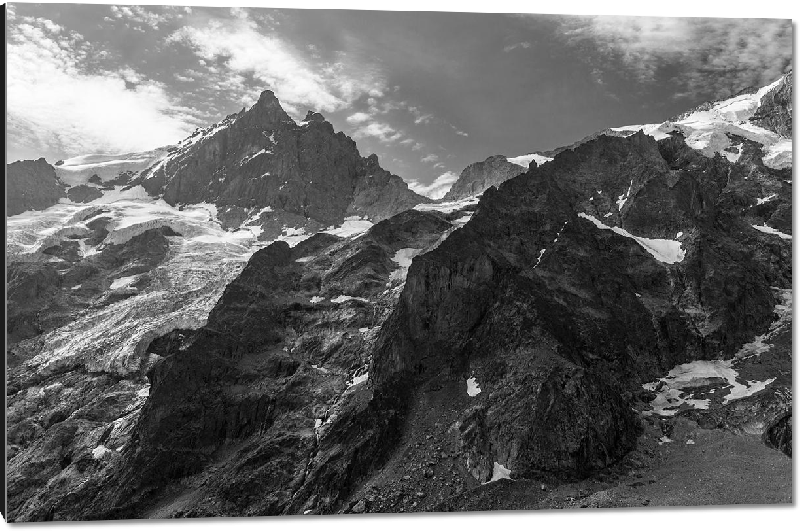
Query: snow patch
{"points": [[447, 207], [100, 452], [500, 472], [762, 200], [123, 282], [665, 251], [403, 258], [472, 387], [352, 226], [525, 160], [769, 230], [344, 298]]}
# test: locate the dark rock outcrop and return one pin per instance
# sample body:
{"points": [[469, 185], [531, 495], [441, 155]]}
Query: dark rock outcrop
{"points": [[480, 176], [31, 185], [84, 193], [262, 158]]}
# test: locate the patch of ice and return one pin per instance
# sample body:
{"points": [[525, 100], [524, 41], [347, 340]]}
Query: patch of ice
{"points": [[316, 299], [472, 387], [666, 251], [664, 439], [679, 235], [304, 259], [689, 441], [363, 330]]}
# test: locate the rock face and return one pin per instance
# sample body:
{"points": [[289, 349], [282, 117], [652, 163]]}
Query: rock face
{"points": [[31, 185], [268, 382], [480, 176], [260, 158], [775, 111], [552, 314]]}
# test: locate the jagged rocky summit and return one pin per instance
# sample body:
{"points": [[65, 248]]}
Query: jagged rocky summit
{"points": [[261, 163]]}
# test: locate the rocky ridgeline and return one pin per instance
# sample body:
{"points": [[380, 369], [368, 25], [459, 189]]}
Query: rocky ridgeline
{"points": [[31, 185], [260, 158], [478, 177]]}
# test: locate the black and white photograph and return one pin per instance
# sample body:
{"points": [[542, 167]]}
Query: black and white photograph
{"points": [[267, 261]]}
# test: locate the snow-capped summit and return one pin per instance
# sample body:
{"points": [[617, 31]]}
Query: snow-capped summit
{"points": [[723, 126]]}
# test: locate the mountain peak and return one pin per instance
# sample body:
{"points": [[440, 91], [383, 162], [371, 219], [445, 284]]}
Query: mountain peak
{"points": [[268, 97]]}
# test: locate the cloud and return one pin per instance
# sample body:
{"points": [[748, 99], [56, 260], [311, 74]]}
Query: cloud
{"points": [[711, 57], [513, 47], [383, 132], [139, 15], [458, 131], [246, 49], [438, 188], [429, 158], [417, 146], [407, 141], [359, 117], [55, 105]]}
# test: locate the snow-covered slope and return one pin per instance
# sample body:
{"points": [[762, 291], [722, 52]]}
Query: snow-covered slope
{"points": [[202, 259], [525, 160], [714, 127], [78, 170]]}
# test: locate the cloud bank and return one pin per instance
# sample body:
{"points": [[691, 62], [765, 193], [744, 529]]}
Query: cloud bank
{"points": [[709, 57]]}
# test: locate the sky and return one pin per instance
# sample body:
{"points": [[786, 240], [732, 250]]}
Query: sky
{"points": [[429, 93]]}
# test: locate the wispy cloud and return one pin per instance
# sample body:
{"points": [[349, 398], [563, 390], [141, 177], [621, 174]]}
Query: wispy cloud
{"points": [[512, 47], [458, 131], [382, 131], [438, 188], [247, 49], [57, 104], [429, 158], [711, 57]]}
